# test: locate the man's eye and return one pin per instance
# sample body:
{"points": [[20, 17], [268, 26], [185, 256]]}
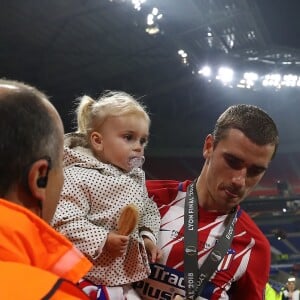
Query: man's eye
{"points": [[252, 172], [233, 163]]}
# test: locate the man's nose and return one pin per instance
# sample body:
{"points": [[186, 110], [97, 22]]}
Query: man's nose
{"points": [[239, 177]]}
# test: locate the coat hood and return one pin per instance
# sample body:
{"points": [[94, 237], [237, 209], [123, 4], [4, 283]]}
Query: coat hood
{"points": [[77, 152]]}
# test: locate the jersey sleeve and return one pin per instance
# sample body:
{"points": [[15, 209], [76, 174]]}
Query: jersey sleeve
{"points": [[253, 282], [164, 191]]}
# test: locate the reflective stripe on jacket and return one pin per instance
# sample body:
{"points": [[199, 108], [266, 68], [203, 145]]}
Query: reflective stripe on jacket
{"points": [[19, 281]]}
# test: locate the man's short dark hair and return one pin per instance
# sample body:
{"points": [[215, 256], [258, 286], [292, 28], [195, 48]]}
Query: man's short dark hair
{"points": [[28, 131], [254, 122]]}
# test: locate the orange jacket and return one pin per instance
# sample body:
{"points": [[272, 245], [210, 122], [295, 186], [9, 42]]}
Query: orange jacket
{"points": [[27, 239], [19, 281]]}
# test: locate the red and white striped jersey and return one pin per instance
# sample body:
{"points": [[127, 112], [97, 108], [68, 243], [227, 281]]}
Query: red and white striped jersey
{"points": [[244, 270]]}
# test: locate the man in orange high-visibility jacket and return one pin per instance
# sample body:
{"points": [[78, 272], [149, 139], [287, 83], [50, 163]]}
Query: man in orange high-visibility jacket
{"points": [[27, 239], [20, 281], [31, 168]]}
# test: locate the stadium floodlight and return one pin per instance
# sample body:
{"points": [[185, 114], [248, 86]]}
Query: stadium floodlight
{"points": [[225, 75], [205, 71], [182, 53], [290, 80], [137, 4], [273, 79]]}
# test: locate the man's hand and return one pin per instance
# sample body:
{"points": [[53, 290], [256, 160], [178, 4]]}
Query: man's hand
{"points": [[116, 244]]}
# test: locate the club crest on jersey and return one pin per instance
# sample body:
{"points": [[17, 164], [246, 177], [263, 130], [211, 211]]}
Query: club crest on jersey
{"points": [[226, 261]]}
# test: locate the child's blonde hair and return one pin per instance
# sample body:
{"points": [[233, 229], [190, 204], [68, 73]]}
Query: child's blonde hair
{"points": [[91, 114]]}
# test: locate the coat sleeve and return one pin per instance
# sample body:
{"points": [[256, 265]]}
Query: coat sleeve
{"points": [[71, 216], [150, 220]]}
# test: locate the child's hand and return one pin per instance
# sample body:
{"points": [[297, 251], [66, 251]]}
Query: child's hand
{"points": [[116, 244], [154, 253], [177, 297]]}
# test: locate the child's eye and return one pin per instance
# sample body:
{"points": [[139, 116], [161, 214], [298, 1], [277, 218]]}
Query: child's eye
{"points": [[128, 137], [143, 141]]}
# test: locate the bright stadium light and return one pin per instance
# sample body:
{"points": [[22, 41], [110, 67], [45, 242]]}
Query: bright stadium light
{"points": [[290, 80], [205, 71], [272, 80], [225, 75], [137, 4]]}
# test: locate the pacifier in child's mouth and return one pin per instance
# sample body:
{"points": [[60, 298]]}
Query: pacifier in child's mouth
{"points": [[136, 162]]}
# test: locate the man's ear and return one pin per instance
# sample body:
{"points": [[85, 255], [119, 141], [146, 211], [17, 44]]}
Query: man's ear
{"points": [[96, 141], [38, 173], [208, 146]]}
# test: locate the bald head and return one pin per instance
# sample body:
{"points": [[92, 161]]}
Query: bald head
{"points": [[30, 129]]}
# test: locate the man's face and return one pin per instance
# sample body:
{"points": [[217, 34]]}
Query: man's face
{"points": [[233, 168], [291, 286]]}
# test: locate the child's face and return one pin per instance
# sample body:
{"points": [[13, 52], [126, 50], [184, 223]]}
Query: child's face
{"points": [[122, 138]]}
